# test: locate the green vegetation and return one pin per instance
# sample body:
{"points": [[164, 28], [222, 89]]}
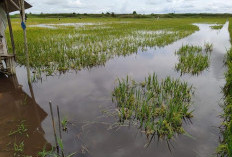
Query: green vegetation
{"points": [[18, 149], [64, 124], [217, 27], [21, 129], [192, 59], [208, 47], [90, 42], [159, 107], [225, 149], [58, 150], [45, 153], [52, 153], [19, 134]]}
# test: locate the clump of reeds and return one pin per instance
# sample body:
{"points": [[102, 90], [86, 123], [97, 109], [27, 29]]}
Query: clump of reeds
{"points": [[159, 107], [193, 59]]}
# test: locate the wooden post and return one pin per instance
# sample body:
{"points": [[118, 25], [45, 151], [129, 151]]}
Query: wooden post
{"points": [[58, 112], [10, 28], [54, 127], [22, 12]]}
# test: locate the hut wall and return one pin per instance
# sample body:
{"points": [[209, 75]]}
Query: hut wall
{"points": [[3, 25]]}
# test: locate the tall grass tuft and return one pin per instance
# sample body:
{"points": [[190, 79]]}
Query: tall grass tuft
{"points": [[225, 148], [192, 59], [159, 107]]}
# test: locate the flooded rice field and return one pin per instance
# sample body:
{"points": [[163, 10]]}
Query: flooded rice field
{"points": [[85, 100]]}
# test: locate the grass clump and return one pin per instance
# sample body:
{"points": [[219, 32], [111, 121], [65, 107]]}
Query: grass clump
{"points": [[225, 148], [19, 149], [21, 130], [208, 47], [217, 27], [52, 153], [159, 107], [192, 59]]}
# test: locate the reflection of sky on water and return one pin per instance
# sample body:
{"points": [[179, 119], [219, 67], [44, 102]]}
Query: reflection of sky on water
{"points": [[80, 94]]}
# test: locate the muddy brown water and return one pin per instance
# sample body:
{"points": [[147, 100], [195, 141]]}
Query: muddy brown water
{"points": [[84, 95]]}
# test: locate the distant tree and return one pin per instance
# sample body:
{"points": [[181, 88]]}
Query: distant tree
{"points": [[74, 13], [41, 13], [112, 14], [107, 13], [134, 13], [102, 13]]}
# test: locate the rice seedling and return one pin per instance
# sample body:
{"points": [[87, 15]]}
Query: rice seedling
{"points": [[225, 148], [192, 59], [70, 47], [208, 47], [45, 153], [217, 27], [52, 153], [21, 130], [159, 107], [19, 149], [64, 124]]}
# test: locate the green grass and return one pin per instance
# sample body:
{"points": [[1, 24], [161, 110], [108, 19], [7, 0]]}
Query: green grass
{"points": [[193, 59], [52, 153], [159, 107], [65, 48], [64, 123], [217, 27], [225, 148], [19, 149], [208, 47], [19, 135], [21, 130]]}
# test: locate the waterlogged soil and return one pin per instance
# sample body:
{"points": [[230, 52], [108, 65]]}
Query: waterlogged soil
{"points": [[83, 97]]}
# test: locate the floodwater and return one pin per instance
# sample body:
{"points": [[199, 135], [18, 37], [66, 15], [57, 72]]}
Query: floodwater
{"points": [[54, 26], [83, 96]]}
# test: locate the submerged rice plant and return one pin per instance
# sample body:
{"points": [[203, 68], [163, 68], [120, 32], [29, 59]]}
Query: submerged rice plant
{"points": [[159, 107], [225, 148], [217, 27], [208, 47], [192, 59], [84, 43]]}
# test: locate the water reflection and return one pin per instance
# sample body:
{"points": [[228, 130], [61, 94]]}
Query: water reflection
{"points": [[17, 106]]}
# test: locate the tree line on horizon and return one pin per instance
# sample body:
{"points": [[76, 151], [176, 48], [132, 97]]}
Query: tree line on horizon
{"points": [[134, 14]]}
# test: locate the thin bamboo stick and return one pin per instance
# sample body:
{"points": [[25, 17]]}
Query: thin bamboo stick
{"points": [[22, 12], [54, 127], [58, 112]]}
